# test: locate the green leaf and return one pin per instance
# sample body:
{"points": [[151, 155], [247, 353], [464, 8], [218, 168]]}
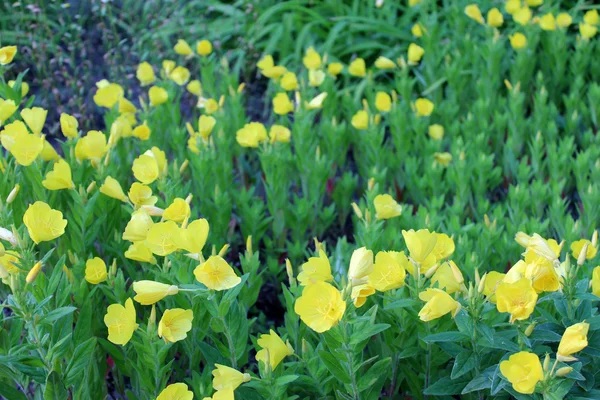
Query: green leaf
{"points": [[446, 387], [334, 366], [402, 303], [57, 314], [284, 380], [464, 362], [481, 381], [364, 334], [10, 392], [374, 373], [54, 388], [451, 336], [79, 361]]}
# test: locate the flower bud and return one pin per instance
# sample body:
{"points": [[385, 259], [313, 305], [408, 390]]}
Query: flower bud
{"points": [[290, 272], [91, 187], [152, 318], [547, 362], [184, 166], [429, 273], [304, 346], [249, 245], [481, 286], [13, 194], [357, 211], [582, 254], [223, 250], [563, 371], [9, 236], [154, 211], [113, 268], [33, 273], [530, 329]]}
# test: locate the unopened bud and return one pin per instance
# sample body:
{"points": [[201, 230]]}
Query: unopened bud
{"points": [[523, 239], [481, 286], [223, 250], [546, 362], [33, 273], [371, 184], [249, 245], [530, 329], [153, 211], [583, 254], [91, 187], [357, 211], [429, 273], [240, 88], [564, 371], [595, 239], [68, 273], [221, 100], [9, 236], [318, 245], [184, 166], [189, 198], [290, 272], [304, 346], [152, 318], [456, 272], [13, 194]]}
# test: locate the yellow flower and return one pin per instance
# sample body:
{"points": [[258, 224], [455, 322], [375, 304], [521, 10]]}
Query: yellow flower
{"points": [[289, 81], [273, 349], [492, 281], [93, 146], [24, 87], [7, 54], [473, 12], [591, 17], [34, 118], [415, 53], [168, 66], [145, 74], [317, 101], [150, 292], [523, 370], [312, 59], [334, 69], [423, 107], [216, 274], [361, 265], [139, 252], [522, 16], [194, 87], [577, 247], [274, 72], [266, 62], [417, 30], [164, 238], [360, 293], [43, 223], [420, 244], [516, 272], [446, 279], [145, 169], [225, 377], [315, 77], [360, 120], [279, 133], [386, 207], [195, 235], [587, 31], [157, 96], [175, 324], [141, 195], [320, 307], [180, 75], [436, 132], [517, 298], [444, 159], [357, 68], [7, 108], [211, 106], [59, 177], [541, 247], [10, 261], [68, 126], [543, 276], [563, 20], [282, 104], [251, 135], [547, 22], [107, 96], [95, 271], [112, 188], [518, 41], [384, 63], [142, 131], [573, 340], [204, 47], [388, 271], [535, 3], [596, 281], [177, 211], [495, 18], [225, 394], [120, 322], [383, 102], [176, 391], [183, 48], [23, 146], [438, 303], [138, 226], [316, 269]]}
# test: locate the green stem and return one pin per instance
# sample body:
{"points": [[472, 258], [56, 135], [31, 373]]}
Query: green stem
{"points": [[348, 350]]}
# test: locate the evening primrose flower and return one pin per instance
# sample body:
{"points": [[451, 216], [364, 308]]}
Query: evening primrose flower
{"points": [[495, 18], [573, 340], [384, 63], [312, 59], [95, 271], [211, 106], [216, 274], [112, 188], [417, 30], [596, 281], [522, 16], [157, 96], [35, 118], [591, 17], [316, 77], [108, 95], [415, 53], [145, 169], [251, 135], [177, 211], [138, 226], [92, 147], [361, 265], [289, 81], [180, 75], [279, 133], [7, 54], [547, 22], [386, 207], [282, 104], [204, 47], [564, 20], [225, 377], [518, 41], [183, 48], [360, 120], [43, 223], [438, 303], [523, 370], [164, 238], [357, 68], [423, 107], [138, 251], [587, 31], [472, 11], [518, 299], [383, 102], [273, 349], [436, 132], [317, 101], [543, 276], [176, 391], [23, 146], [10, 262], [274, 72], [145, 74], [492, 281], [420, 244], [225, 394], [577, 247], [265, 62], [334, 69], [168, 66], [68, 126], [360, 293], [150, 292], [541, 247], [175, 324], [445, 278], [388, 271], [194, 236], [141, 195], [320, 306], [316, 269], [444, 159], [60, 177], [194, 87], [142, 131], [7, 108], [24, 87], [120, 322]]}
